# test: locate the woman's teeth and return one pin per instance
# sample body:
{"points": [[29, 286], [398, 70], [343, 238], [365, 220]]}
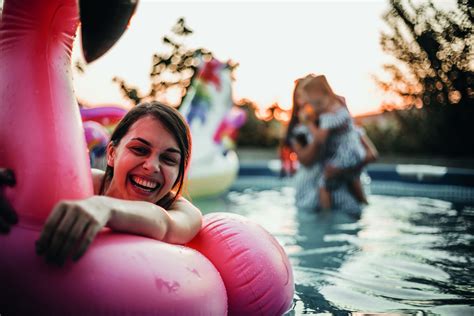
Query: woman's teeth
{"points": [[144, 183]]}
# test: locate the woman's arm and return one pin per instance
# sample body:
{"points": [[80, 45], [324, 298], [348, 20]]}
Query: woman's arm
{"points": [[73, 225], [178, 225], [308, 154]]}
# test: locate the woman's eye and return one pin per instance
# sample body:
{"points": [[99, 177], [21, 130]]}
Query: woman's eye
{"points": [[170, 160], [139, 150]]}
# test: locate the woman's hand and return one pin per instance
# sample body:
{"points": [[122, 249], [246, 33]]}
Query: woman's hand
{"points": [[71, 227], [8, 215], [332, 172]]}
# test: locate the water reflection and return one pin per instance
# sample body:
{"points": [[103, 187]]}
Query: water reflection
{"points": [[404, 255]]}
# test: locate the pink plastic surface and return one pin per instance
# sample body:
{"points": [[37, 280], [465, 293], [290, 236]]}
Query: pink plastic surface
{"points": [[40, 128], [42, 140], [120, 275], [256, 271]]}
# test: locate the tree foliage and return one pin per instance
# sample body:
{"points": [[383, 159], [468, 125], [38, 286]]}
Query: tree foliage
{"points": [[259, 132], [170, 70], [433, 76]]}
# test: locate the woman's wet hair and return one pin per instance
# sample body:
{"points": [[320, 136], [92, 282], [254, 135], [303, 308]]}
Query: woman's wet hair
{"points": [[174, 122]]}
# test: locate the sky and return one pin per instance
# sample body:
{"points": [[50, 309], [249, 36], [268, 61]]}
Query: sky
{"points": [[274, 42]]}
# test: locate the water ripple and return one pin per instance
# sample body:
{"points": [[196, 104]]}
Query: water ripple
{"points": [[407, 255]]}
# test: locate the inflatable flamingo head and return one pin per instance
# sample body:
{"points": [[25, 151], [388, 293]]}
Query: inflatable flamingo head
{"points": [[42, 136], [102, 24]]}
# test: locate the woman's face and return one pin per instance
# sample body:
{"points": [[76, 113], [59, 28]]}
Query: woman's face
{"points": [[146, 162]]}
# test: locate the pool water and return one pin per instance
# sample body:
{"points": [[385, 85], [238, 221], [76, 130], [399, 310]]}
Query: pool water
{"points": [[404, 255]]}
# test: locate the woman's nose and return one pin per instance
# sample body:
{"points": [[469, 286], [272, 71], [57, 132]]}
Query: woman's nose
{"points": [[152, 164]]}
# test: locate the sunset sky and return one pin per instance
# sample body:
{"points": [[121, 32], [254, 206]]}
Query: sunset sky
{"points": [[275, 42]]}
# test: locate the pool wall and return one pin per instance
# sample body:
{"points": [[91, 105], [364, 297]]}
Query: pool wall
{"points": [[451, 184]]}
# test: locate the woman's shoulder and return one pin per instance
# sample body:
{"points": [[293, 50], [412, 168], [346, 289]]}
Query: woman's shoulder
{"points": [[97, 177]]}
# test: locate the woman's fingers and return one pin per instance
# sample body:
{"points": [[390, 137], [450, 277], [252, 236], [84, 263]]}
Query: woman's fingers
{"points": [[69, 230], [89, 235], [72, 238], [49, 229], [61, 234]]}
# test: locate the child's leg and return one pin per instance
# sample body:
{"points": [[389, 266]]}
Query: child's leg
{"points": [[357, 190], [324, 198]]}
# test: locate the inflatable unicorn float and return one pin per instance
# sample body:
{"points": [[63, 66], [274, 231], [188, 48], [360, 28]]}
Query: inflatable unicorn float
{"points": [[233, 266], [213, 120]]}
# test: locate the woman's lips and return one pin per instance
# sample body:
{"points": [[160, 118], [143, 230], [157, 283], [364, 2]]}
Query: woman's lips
{"points": [[144, 185]]}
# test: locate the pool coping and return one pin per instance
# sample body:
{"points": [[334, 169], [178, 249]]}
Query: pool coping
{"points": [[446, 183]]}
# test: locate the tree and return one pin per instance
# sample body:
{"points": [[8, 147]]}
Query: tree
{"points": [[433, 78], [170, 71], [257, 132]]}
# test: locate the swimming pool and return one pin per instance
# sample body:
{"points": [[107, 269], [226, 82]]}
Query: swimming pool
{"points": [[405, 254]]}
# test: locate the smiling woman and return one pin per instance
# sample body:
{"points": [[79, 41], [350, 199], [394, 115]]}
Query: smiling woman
{"points": [[160, 141], [139, 192]]}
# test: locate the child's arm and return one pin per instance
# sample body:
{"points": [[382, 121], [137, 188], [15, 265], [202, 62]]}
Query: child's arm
{"points": [[332, 121]]}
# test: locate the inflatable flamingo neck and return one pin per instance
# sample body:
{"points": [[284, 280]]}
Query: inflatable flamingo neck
{"points": [[41, 135]]}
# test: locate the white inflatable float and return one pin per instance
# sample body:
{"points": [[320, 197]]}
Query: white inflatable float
{"points": [[214, 166]]}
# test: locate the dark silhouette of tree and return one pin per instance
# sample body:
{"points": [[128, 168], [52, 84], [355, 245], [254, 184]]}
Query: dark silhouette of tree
{"points": [[433, 77], [173, 69], [257, 132]]}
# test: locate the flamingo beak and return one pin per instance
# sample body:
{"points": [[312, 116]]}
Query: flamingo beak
{"points": [[102, 24]]}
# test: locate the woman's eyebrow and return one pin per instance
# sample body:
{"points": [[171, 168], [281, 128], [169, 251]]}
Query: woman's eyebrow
{"points": [[174, 150], [171, 149], [142, 140]]}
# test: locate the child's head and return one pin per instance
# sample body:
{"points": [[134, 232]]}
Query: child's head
{"points": [[318, 92], [307, 114]]}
